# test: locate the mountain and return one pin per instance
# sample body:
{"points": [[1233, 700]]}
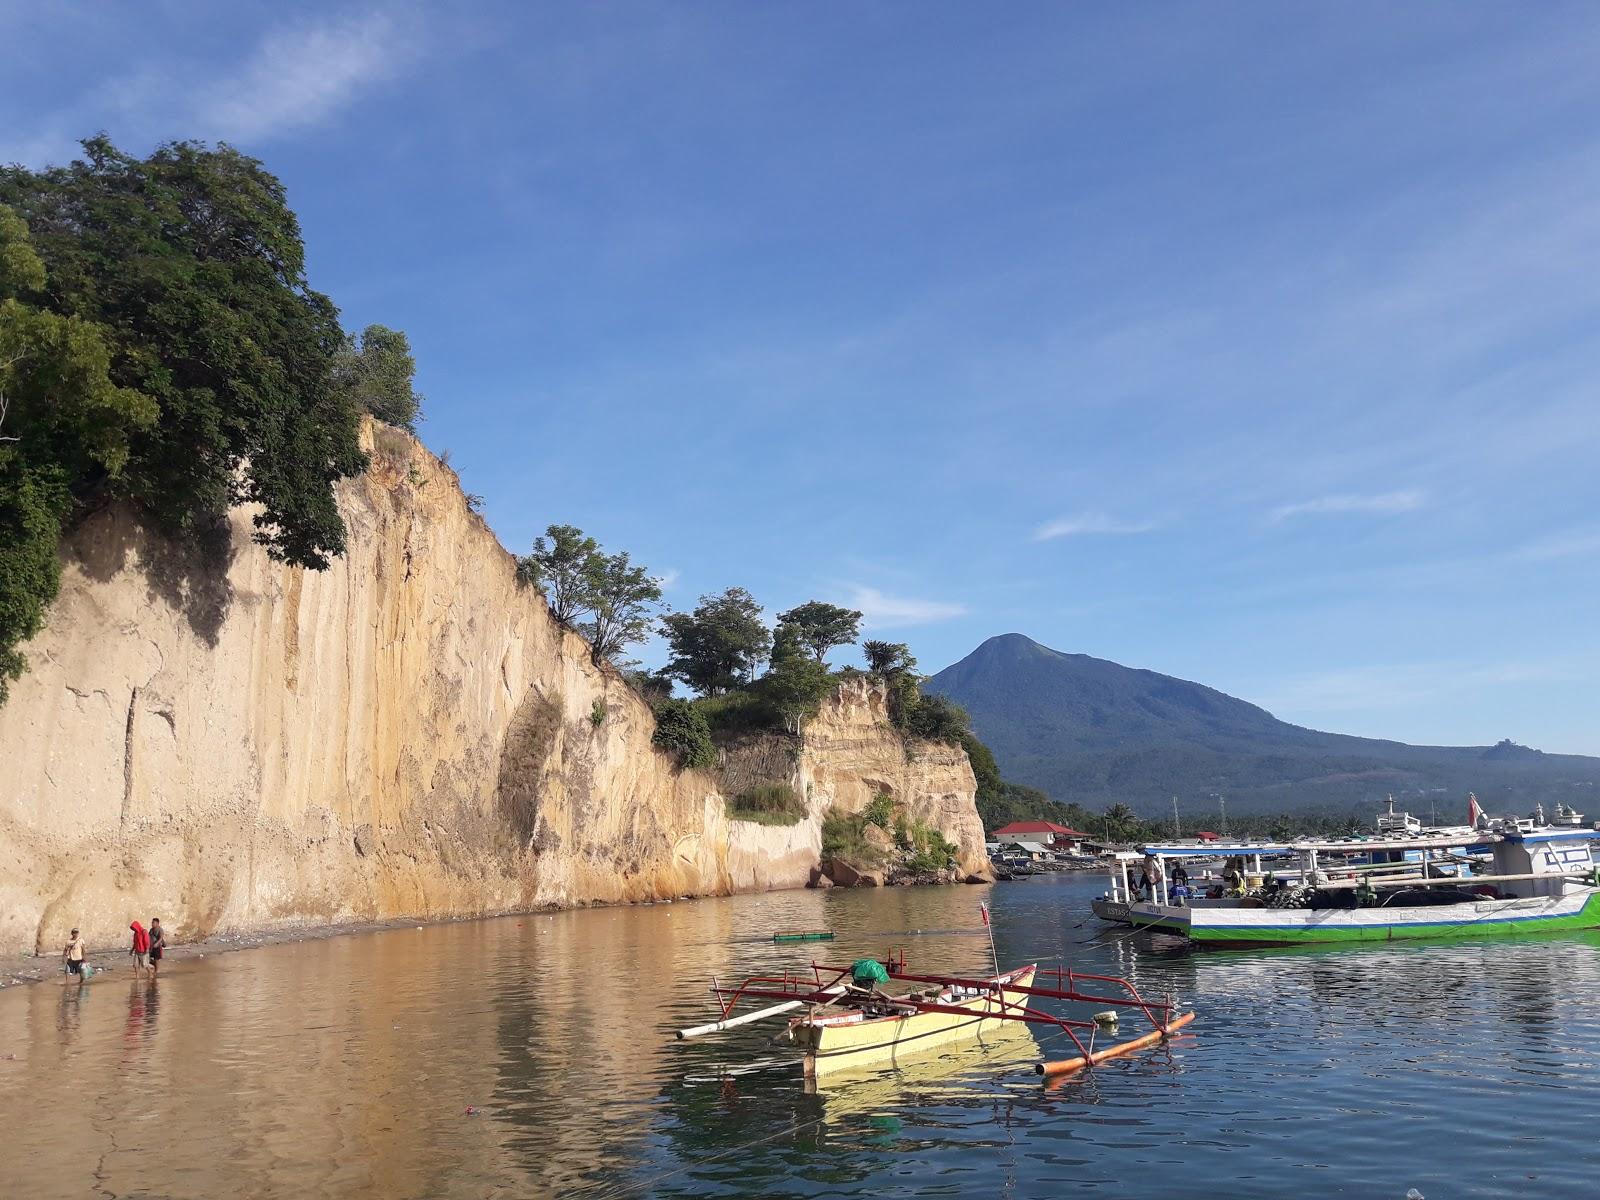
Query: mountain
{"points": [[1094, 732]]}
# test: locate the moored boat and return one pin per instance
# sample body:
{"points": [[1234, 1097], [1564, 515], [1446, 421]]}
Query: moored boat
{"points": [[1492, 880]]}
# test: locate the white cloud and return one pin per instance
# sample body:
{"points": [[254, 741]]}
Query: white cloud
{"points": [[1382, 502], [668, 577], [1561, 546], [294, 77], [1088, 523], [881, 611], [299, 76]]}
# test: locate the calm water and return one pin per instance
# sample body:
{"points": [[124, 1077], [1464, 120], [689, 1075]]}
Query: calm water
{"points": [[346, 1067]]}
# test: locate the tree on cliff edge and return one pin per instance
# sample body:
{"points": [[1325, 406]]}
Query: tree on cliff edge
{"points": [[192, 263], [718, 646]]}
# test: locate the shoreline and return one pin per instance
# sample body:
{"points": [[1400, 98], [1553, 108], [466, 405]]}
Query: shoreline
{"points": [[19, 969]]}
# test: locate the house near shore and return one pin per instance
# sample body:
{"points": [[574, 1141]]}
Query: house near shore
{"points": [[1056, 839]]}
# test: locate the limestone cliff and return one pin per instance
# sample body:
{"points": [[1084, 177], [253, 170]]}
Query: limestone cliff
{"points": [[235, 745]]}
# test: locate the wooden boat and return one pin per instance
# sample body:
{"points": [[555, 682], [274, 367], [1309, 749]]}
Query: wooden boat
{"points": [[887, 1032], [847, 1026]]}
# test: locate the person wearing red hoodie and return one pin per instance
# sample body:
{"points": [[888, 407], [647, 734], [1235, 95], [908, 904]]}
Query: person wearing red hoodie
{"points": [[141, 947]]}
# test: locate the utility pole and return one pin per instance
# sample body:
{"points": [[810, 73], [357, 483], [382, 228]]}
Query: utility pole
{"points": [[1177, 830]]}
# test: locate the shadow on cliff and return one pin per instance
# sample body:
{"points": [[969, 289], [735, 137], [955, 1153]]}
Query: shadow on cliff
{"points": [[530, 739], [187, 571]]}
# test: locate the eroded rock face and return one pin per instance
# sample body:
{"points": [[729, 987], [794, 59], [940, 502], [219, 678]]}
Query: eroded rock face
{"points": [[235, 745]]}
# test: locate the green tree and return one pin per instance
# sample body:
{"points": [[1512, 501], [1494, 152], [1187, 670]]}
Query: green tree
{"points": [[796, 684], [621, 599], [716, 647], [682, 731], [191, 263], [375, 371], [563, 569], [937, 719], [889, 658], [62, 419], [819, 627]]}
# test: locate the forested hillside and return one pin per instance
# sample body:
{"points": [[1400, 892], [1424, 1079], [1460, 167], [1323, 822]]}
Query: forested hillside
{"points": [[1092, 732]]}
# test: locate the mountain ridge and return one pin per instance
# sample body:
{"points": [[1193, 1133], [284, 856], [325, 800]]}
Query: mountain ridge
{"points": [[1090, 731]]}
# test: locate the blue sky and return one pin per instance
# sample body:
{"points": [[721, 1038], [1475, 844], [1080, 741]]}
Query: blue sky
{"points": [[1255, 344]]}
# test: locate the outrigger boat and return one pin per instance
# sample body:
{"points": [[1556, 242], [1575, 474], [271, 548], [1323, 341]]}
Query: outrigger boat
{"points": [[850, 1022]]}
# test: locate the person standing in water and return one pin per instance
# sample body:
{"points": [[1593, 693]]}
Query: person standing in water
{"points": [[73, 953], [158, 943], [141, 947]]}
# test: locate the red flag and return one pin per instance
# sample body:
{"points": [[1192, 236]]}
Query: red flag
{"points": [[984, 909]]}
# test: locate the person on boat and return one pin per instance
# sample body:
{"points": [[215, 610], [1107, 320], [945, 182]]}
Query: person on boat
{"points": [[1180, 877], [158, 944], [140, 950], [1233, 877], [1150, 876], [73, 953]]}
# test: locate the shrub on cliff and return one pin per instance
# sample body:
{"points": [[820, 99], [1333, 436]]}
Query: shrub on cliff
{"points": [[682, 731], [768, 804]]}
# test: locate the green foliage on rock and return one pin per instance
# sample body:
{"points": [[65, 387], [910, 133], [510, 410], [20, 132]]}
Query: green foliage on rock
{"points": [[796, 684], [768, 804], [375, 371], [717, 647], [879, 811], [844, 837], [682, 731]]}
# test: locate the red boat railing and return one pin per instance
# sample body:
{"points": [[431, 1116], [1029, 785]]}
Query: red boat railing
{"points": [[828, 982]]}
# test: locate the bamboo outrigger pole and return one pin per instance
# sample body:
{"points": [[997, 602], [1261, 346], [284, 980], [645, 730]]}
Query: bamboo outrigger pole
{"points": [[759, 1014], [1063, 1066]]}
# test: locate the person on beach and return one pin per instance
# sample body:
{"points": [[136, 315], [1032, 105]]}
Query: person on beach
{"points": [[158, 943], [73, 953], [141, 947]]}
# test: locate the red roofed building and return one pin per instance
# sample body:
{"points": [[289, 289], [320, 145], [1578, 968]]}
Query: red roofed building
{"points": [[1057, 837]]}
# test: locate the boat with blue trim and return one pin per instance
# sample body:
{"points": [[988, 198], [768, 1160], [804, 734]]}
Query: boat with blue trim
{"points": [[1497, 877]]}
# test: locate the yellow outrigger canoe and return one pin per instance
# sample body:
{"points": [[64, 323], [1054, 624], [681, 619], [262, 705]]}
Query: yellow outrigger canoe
{"points": [[887, 1030], [850, 1023]]}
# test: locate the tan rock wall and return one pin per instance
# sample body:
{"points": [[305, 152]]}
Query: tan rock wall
{"points": [[232, 744]]}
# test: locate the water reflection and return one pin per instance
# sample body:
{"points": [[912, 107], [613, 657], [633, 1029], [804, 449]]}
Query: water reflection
{"points": [[348, 1067]]}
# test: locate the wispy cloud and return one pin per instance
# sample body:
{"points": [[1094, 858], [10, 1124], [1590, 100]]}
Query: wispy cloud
{"points": [[668, 577], [882, 611], [1089, 523], [1572, 545], [1382, 503], [300, 75], [296, 76]]}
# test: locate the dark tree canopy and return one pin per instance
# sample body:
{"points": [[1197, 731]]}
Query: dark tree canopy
{"points": [[819, 627], [888, 658], [719, 645], [375, 372], [192, 263]]}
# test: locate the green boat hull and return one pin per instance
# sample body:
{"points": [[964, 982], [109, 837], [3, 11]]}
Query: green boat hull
{"points": [[1291, 934]]}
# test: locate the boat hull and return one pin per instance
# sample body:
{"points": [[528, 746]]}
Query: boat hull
{"points": [[1224, 927], [888, 1041], [1115, 911]]}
